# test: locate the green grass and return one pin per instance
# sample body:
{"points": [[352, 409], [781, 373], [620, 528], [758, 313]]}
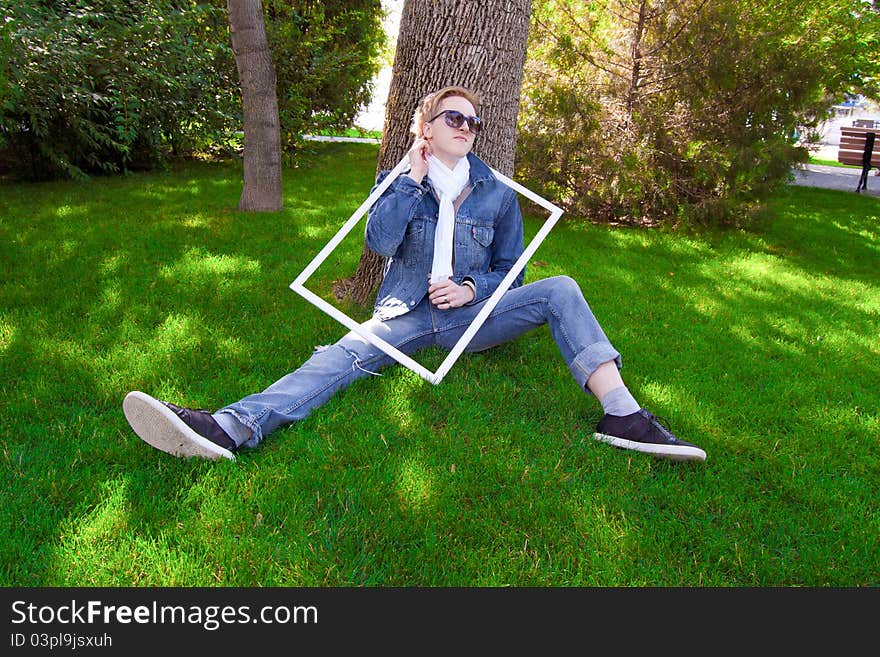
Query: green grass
{"points": [[763, 347], [832, 163], [351, 132]]}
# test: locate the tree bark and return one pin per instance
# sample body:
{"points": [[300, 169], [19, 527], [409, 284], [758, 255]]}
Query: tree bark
{"points": [[262, 137], [638, 33], [478, 45]]}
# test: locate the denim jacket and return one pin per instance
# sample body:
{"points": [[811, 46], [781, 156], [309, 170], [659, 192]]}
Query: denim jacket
{"points": [[400, 226]]}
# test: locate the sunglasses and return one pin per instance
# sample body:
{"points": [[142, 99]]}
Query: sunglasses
{"points": [[455, 119]]}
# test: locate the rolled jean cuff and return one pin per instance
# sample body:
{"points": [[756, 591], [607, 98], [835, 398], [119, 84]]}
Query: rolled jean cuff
{"points": [[248, 439], [589, 360]]}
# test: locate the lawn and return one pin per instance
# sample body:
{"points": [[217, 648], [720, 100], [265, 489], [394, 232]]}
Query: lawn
{"points": [[761, 346], [832, 163]]}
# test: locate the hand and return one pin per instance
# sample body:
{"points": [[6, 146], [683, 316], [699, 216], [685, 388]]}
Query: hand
{"points": [[418, 159], [449, 294]]}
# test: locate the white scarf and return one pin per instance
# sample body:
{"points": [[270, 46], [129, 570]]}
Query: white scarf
{"points": [[448, 183]]}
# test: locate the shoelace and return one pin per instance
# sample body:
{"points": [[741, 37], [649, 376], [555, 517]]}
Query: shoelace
{"points": [[662, 424]]}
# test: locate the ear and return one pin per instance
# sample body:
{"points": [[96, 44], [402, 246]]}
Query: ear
{"points": [[426, 130]]}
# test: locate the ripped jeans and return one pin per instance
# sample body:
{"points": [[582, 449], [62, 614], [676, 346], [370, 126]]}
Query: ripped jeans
{"points": [[556, 301]]}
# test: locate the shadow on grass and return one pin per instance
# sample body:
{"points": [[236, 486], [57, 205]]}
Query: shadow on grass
{"points": [[148, 282], [756, 343], [795, 317]]}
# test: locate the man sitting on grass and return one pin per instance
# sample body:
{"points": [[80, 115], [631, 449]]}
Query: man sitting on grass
{"points": [[451, 231]]}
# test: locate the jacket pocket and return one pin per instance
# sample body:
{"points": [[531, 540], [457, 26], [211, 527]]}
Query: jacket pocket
{"points": [[478, 249], [483, 235]]}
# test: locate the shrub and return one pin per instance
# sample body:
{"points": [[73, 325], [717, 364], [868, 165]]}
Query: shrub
{"points": [[106, 86], [99, 86], [326, 55], [686, 112]]}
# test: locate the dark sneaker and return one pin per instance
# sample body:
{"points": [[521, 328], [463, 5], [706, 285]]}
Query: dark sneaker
{"points": [[179, 431], [643, 432]]}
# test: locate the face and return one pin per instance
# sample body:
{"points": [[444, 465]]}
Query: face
{"points": [[450, 144]]}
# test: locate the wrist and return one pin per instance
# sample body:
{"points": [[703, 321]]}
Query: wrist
{"points": [[468, 283]]}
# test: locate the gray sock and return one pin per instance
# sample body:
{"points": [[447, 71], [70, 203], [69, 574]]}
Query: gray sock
{"points": [[239, 433], [619, 402]]}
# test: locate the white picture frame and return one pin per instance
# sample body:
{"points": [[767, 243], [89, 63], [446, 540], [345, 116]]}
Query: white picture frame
{"points": [[298, 285]]}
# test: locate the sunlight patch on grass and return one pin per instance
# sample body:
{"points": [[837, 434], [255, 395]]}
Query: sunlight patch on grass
{"points": [[176, 332], [629, 238], [68, 247], [200, 269], [773, 272], [843, 340], [705, 413], [755, 338], [157, 192], [399, 407], [84, 541], [107, 518], [7, 333], [111, 264], [766, 271], [867, 298], [415, 485], [77, 358], [777, 281], [196, 221], [706, 306], [130, 363], [608, 530], [658, 394], [68, 211], [111, 297], [315, 231], [865, 231], [95, 550], [229, 347]]}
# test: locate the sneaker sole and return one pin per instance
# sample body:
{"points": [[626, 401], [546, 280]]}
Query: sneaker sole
{"points": [[158, 426], [672, 452]]}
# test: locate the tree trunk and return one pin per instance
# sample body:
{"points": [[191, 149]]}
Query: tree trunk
{"points": [[638, 33], [478, 45], [262, 137]]}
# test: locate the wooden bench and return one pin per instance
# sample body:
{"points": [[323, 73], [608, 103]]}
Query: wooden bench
{"points": [[866, 123], [859, 147]]}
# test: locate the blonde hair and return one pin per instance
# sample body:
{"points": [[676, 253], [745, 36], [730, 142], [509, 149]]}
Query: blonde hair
{"points": [[427, 109]]}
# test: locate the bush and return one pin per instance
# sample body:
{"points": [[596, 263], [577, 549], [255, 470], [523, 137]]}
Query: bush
{"points": [[687, 113], [106, 86], [100, 86], [326, 55]]}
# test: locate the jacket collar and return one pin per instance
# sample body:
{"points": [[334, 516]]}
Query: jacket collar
{"points": [[480, 171]]}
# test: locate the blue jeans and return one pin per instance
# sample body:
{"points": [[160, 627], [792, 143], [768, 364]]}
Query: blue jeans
{"points": [[556, 301]]}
